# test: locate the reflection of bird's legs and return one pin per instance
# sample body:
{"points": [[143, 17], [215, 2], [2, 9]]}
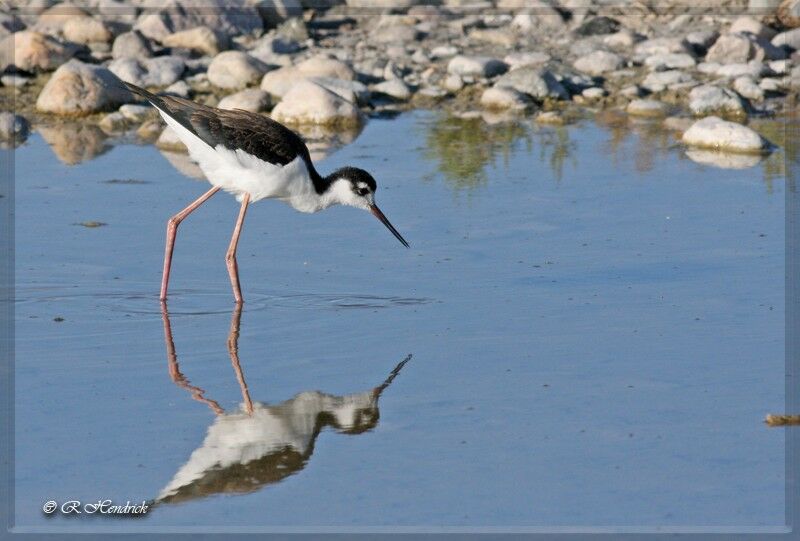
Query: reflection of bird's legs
{"points": [[172, 232], [233, 350], [230, 257], [174, 370]]}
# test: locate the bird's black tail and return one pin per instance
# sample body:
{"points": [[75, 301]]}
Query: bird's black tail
{"points": [[146, 94]]}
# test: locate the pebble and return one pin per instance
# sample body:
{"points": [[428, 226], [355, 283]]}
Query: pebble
{"points": [[660, 80], [78, 88], [113, 123], [790, 38], [180, 89], [85, 30], [353, 91], [750, 25], [309, 103], [34, 52], [538, 83], [137, 113], [15, 80], [598, 62], [714, 133], [710, 99], [665, 61], [393, 88], [235, 69], [549, 117], [502, 98], [158, 71], [495, 36], [453, 83], [593, 93], [444, 51], [754, 68], [701, 40], [665, 45], [748, 88], [254, 100], [13, 127], [169, 140], [131, 45], [480, 66], [517, 60], [649, 108], [395, 34], [201, 39]]}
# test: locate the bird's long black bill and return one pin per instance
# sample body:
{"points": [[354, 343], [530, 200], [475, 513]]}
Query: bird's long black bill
{"points": [[379, 215]]}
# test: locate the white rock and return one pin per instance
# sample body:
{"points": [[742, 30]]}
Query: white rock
{"points": [[78, 88], [748, 24], [665, 61], [180, 89], [771, 85], [593, 93], [780, 67], [235, 69], [113, 122], [33, 51], [202, 39], [131, 45], [701, 40], [747, 87], [659, 81], [158, 71], [741, 48], [651, 108], [354, 91], [713, 132], [400, 33], [536, 82], [624, 39], [137, 113], [453, 83], [504, 98], [654, 46], [394, 88], [444, 51], [86, 30], [309, 103], [254, 100], [13, 127], [479, 66], [790, 38], [169, 140], [754, 69], [710, 99], [324, 66], [598, 62], [517, 60]]}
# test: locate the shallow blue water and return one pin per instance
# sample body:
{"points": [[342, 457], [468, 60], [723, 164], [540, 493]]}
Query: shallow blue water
{"points": [[596, 324]]}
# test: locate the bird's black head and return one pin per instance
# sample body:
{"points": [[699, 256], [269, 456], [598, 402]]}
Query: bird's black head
{"points": [[356, 188], [361, 182]]}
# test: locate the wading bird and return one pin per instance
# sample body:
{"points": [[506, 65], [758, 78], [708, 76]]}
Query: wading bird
{"points": [[253, 157]]}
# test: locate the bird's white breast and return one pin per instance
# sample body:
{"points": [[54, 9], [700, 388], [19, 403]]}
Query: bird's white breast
{"points": [[238, 172]]}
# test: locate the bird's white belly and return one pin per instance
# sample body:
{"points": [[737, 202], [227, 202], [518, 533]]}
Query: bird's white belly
{"points": [[239, 173]]}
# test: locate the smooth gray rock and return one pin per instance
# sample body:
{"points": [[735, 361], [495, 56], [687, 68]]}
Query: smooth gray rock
{"points": [[710, 99], [715, 133], [647, 108], [599, 62], [660, 80], [393, 88], [667, 61], [254, 100], [77, 88], [747, 87], [159, 71], [13, 127], [131, 45], [479, 66], [537, 83], [309, 103], [235, 69]]}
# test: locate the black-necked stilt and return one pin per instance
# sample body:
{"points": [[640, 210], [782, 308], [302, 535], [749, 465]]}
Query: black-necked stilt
{"points": [[254, 157]]}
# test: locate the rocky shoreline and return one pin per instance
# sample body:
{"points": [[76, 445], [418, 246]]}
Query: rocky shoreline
{"points": [[333, 64]]}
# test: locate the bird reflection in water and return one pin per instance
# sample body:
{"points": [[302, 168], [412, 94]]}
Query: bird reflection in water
{"points": [[261, 444]]}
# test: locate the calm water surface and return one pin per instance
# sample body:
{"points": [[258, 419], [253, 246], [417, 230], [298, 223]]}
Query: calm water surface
{"points": [[587, 331]]}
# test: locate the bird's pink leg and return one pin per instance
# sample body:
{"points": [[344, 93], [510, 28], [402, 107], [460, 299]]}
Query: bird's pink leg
{"points": [[172, 231], [230, 257]]}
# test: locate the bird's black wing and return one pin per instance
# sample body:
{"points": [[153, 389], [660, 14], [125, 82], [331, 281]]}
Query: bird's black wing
{"points": [[253, 133]]}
